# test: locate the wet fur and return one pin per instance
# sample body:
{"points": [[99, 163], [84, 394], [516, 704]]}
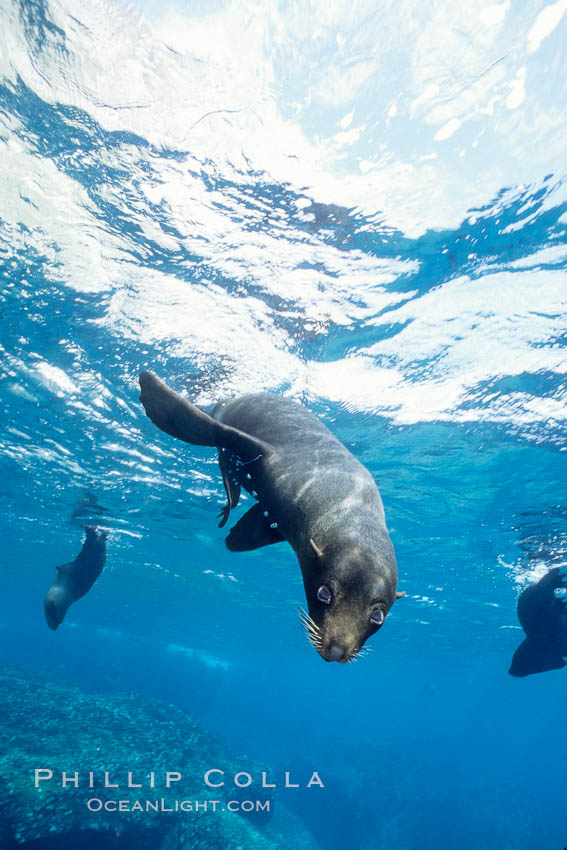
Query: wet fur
{"points": [[543, 617], [316, 495], [76, 578]]}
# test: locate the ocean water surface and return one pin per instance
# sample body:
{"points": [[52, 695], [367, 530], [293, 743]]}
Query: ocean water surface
{"points": [[362, 207]]}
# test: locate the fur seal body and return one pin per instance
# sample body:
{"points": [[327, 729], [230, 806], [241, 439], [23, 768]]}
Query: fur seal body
{"points": [[310, 491], [542, 612], [76, 578]]}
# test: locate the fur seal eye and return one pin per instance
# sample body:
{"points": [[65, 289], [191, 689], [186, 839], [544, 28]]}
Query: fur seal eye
{"points": [[377, 617], [324, 594]]}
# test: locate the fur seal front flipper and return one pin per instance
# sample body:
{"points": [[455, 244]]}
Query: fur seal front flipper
{"points": [[76, 578], [228, 464], [316, 495], [253, 531]]}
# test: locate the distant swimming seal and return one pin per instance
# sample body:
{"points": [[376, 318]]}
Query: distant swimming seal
{"points": [[76, 578], [310, 491], [542, 612]]}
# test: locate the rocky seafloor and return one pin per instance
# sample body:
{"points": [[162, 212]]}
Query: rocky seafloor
{"points": [[52, 725]]}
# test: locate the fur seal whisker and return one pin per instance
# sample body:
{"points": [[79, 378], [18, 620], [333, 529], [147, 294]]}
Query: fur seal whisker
{"points": [[313, 637], [312, 631]]}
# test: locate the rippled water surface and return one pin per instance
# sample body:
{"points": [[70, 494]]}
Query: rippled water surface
{"points": [[360, 206]]}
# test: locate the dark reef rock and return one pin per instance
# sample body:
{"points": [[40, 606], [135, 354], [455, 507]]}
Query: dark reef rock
{"points": [[48, 725]]}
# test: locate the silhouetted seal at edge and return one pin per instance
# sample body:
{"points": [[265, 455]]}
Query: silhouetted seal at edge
{"points": [[542, 613], [310, 491], [76, 578]]}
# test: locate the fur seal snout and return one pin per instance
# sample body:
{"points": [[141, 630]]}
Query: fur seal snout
{"points": [[76, 578], [309, 490]]}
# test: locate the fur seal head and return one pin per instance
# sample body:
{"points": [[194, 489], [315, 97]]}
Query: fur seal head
{"points": [[56, 603], [349, 592]]}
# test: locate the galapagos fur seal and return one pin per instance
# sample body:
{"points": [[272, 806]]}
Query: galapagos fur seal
{"points": [[76, 578], [542, 612], [310, 491]]}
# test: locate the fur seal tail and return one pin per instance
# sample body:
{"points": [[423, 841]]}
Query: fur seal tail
{"points": [[177, 417]]}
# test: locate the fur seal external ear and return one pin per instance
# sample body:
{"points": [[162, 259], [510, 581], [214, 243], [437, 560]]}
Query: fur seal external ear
{"points": [[308, 487], [76, 578], [318, 552]]}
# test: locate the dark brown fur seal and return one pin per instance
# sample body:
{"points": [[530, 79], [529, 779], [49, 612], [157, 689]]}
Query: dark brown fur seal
{"points": [[542, 612], [310, 491], [76, 578]]}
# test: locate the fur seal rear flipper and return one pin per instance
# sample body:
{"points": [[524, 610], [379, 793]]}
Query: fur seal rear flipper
{"points": [[311, 491], [76, 578], [189, 423]]}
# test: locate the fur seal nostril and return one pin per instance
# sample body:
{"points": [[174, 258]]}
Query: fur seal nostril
{"points": [[310, 491], [335, 652]]}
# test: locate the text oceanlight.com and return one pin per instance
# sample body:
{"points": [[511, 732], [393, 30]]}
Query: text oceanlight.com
{"points": [[195, 806]]}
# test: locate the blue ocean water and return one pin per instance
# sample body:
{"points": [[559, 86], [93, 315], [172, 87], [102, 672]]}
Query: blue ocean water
{"points": [[363, 208]]}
